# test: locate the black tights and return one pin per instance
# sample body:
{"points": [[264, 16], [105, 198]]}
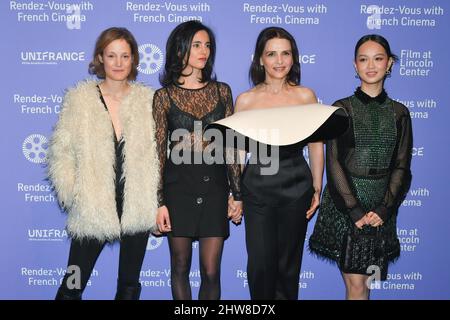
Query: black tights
{"points": [[180, 262], [84, 254]]}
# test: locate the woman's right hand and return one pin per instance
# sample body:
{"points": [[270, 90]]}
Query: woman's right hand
{"points": [[362, 222], [163, 220], [314, 205], [234, 210]]}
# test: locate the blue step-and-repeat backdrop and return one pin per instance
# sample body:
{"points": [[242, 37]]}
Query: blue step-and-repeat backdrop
{"points": [[46, 48]]}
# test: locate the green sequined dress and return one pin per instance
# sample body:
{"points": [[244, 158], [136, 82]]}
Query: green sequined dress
{"points": [[368, 169]]}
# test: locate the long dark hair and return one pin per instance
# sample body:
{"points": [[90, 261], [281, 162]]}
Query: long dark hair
{"points": [[257, 73], [378, 39], [179, 46]]}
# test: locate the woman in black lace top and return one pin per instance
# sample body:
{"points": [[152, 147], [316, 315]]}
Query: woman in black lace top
{"points": [[368, 167], [193, 192]]}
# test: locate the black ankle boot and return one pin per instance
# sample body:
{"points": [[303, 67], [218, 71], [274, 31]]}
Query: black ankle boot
{"points": [[67, 294], [128, 292]]}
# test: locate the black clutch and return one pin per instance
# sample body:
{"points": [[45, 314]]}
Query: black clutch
{"points": [[364, 251]]}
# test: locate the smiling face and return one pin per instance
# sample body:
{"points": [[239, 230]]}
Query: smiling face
{"points": [[372, 63], [277, 58], [200, 50], [117, 60]]}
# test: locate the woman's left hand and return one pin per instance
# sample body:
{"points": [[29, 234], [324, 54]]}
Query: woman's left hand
{"points": [[314, 205]]}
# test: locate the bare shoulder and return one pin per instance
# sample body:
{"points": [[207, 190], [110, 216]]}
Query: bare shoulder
{"points": [[306, 95], [244, 100]]}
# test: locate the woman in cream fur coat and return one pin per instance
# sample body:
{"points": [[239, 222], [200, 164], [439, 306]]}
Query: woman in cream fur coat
{"points": [[104, 168]]}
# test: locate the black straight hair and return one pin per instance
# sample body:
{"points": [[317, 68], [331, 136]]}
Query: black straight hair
{"points": [[257, 74], [378, 39], [179, 46]]}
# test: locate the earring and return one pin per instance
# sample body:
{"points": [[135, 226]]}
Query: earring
{"points": [[388, 74], [357, 76]]}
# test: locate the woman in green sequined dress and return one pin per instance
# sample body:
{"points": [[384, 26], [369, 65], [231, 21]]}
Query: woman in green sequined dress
{"points": [[368, 167]]}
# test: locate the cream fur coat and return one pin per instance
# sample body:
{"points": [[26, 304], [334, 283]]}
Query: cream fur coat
{"points": [[82, 158]]}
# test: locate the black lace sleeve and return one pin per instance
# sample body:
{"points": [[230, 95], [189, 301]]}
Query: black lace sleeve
{"points": [[400, 178], [231, 154], [161, 105], [337, 180]]}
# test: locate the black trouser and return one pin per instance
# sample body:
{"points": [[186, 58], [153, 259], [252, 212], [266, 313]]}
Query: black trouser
{"points": [[84, 254], [275, 238]]}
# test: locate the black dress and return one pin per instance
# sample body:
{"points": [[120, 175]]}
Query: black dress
{"points": [[118, 166], [194, 191], [368, 169]]}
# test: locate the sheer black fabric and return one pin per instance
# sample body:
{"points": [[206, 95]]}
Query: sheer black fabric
{"points": [[210, 258], [192, 109], [342, 161], [180, 265]]}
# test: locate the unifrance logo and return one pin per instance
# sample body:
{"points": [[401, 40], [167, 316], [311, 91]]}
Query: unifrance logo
{"points": [[35, 148], [154, 243], [51, 57], [150, 58], [47, 234]]}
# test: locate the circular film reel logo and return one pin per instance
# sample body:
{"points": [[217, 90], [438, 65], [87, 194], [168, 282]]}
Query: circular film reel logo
{"points": [[35, 148], [150, 59], [154, 243]]}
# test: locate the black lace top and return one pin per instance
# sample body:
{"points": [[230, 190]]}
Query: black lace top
{"points": [[388, 124], [192, 109]]}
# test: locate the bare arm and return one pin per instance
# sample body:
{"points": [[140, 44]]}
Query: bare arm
{"points": [[316, 158], [315, 149]]}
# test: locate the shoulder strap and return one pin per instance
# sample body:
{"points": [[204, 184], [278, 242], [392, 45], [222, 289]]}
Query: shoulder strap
{"points": [[101, 98]]}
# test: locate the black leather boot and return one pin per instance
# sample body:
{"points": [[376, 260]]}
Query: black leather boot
{"points": [[67, 294], [128, 292]]}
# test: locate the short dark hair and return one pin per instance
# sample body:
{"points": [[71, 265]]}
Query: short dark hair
{"points": [[106, 37], [179, 46], [378, 39], [257, 73]]}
